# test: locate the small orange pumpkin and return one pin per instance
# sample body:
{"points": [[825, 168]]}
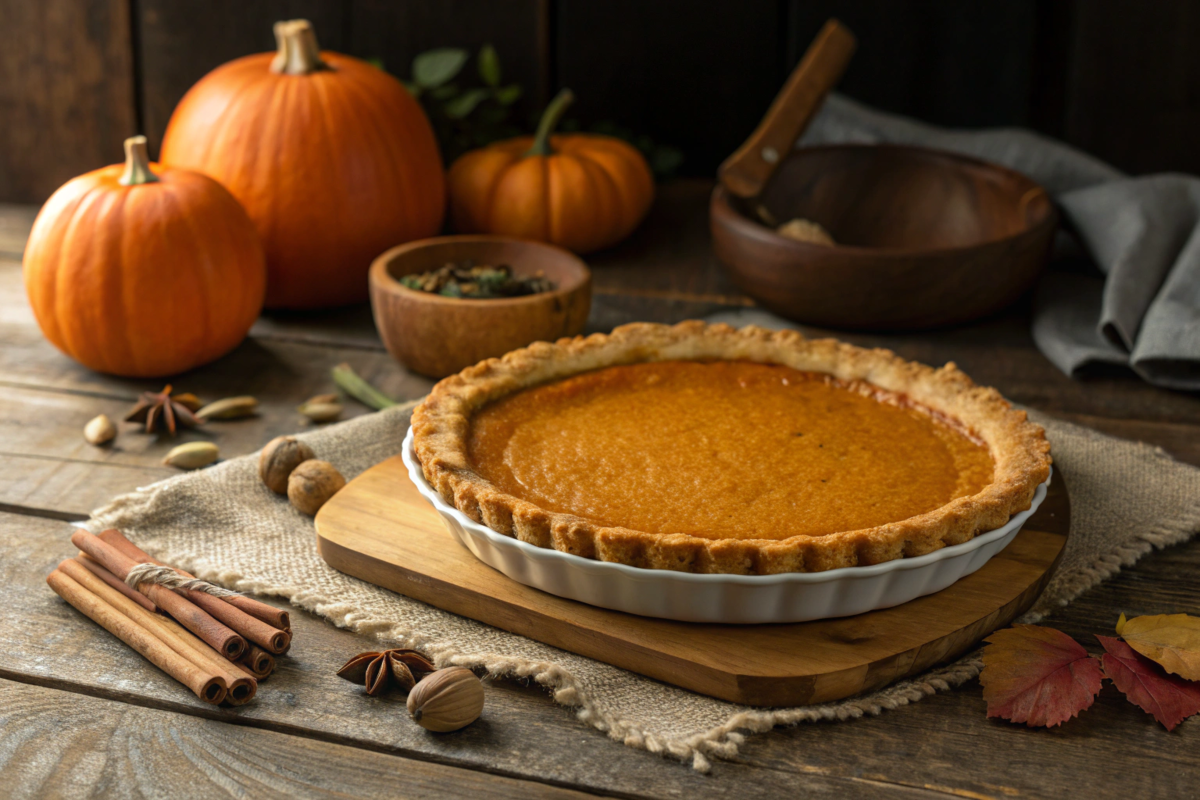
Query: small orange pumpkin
{"points": [[332, 158], [583, 192], [143, 271]]}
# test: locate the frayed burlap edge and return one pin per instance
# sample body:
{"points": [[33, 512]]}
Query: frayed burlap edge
{"points": [[722, 741]]}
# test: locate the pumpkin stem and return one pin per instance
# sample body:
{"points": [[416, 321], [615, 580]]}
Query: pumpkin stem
{"points": [[298, 51], [137, 163], [549, 121]]}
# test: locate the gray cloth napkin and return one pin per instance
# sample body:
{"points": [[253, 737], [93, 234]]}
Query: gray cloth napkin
{"points": [[1141, 232]]}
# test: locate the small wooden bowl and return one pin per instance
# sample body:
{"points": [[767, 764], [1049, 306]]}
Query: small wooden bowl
{"points": [[925, 238], [439, 336]]}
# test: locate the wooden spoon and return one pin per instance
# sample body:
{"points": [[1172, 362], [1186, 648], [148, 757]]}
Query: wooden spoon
{"points": [[748, 171]]}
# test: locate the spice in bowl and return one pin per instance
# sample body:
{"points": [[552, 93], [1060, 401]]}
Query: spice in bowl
{"points": [[803, 230], [466, 280]]}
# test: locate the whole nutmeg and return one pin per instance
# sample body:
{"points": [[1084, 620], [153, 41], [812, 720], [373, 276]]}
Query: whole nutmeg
{"points": [[446, 700], [312, 483], [282, 455]]}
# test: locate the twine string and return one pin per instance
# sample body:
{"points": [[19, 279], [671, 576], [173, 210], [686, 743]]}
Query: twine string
{"points": [[165, 576]]}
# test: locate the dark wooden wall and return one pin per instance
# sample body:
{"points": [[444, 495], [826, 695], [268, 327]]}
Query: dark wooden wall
{"points": [[1118, 78]]}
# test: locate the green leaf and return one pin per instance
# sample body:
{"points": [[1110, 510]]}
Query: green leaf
{"points": [[435, 67], [507, 95], [607, 127], [376, 62], [489, 65], [492, 115], [465, 103], [444, 92], [349, 382], [413, 89], [664, 161]]}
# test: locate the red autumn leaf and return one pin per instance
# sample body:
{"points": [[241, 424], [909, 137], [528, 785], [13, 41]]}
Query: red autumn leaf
{"points": [[1168, 698], [1038, 676]]}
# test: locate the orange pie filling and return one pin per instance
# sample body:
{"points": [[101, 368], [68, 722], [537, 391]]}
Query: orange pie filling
{"points": [[725, 450]]}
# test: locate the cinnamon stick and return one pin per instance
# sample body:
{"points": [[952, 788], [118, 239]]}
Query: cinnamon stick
{"points": [[257, 661], [97, 569], [255, 630], [207, 686], [227, 642], [240, 686], [275, 617], [252, 628]]}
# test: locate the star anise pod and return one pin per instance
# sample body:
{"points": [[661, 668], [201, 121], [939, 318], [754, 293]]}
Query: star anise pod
{"points": [[378, 671], [160, 409]]}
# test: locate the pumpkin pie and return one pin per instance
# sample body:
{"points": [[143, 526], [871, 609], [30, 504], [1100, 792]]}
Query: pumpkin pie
{"points": [[703, 448]]}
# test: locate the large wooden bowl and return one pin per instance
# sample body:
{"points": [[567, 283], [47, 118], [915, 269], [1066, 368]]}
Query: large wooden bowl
{"points": [[439, 336], [925, 238]]}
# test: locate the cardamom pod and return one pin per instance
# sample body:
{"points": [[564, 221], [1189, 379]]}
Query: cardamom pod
{"points": [[192, 455], [229, 408], [332, 397], [320, 409], [188, 401]]}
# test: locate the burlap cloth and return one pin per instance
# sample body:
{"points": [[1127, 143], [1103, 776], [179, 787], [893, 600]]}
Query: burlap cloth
{"points": [[225, 526]]}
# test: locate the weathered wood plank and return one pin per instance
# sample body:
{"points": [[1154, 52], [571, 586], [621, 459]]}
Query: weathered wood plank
{"points": [[945, 741], [65, 745], [1181, 440], [958, 64], [942, 746], [694, 75], [352, 327], [45, 463], [925, 746], [521, 733], [66, 93], [670, 253], [1131, 95], [15, 222], [46, 399]]}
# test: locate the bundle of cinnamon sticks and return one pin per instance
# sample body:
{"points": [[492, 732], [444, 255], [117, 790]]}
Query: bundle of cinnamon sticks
{"points": [[219, 647]]}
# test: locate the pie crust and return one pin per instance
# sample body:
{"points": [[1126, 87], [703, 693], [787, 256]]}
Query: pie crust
{"points": [[1019, 450]]}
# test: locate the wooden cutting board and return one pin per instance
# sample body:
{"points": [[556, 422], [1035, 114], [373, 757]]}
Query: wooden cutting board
{"points": [[380, 529]]}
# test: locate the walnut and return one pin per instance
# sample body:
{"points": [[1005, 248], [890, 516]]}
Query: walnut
{"points": [[282, 455], [312, 483]]}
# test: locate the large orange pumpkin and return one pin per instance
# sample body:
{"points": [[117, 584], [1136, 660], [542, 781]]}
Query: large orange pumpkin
{"points": [[332, 158], [143, 271], [583, 192]]}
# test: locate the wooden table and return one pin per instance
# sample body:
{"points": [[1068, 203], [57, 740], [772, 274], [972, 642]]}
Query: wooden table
{"points": [[82, 714]]}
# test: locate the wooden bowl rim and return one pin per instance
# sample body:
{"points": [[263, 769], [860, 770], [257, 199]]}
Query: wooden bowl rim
{"points": [[747, 227], [382, 279]]}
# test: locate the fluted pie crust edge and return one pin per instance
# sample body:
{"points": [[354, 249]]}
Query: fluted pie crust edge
{"points": [[441, 425]]}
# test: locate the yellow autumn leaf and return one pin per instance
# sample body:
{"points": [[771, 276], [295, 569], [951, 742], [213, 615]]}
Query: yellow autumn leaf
{"points": [[1171, 640]]}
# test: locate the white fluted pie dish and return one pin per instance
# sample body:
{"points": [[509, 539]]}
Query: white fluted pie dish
{"points": [[720, 598]]}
